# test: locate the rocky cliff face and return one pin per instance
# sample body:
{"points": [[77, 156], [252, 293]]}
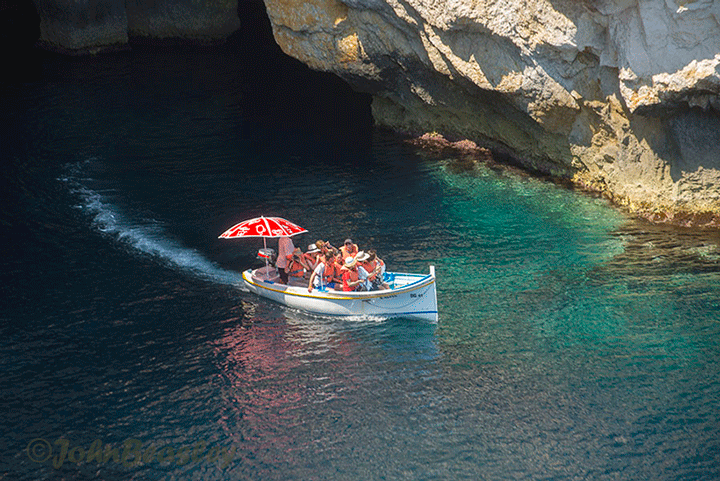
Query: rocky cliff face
{"points": [[621, 96], [72, 26]]}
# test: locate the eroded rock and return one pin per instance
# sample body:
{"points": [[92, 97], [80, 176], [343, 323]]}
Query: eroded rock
{"points": [[620, 96]]}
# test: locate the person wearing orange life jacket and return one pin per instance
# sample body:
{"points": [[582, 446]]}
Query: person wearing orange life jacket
{"points": [[339, 259], [350, 275], [324, 274], [337, 270], [364, 271], [312, 259], [349, 249], [296, 268], [377, 271]]}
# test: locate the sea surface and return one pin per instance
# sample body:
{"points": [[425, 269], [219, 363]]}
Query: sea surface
{"points": [[574, 342]]}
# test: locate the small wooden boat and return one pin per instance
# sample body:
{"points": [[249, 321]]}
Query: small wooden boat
{"points": [[410, 295]]}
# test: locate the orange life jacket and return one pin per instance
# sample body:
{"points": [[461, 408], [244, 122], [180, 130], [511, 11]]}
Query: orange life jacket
{"points": [[381, 263], [328, 272], [312, 262], [370, 267], [349, 275], [339, 272], [295, 269], [346, 253]]}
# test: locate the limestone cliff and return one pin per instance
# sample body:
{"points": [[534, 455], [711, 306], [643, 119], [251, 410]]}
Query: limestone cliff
{"points": [[73, 26], [621, 96]]}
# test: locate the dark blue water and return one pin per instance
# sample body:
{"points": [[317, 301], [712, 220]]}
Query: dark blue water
{"points": [[573, 342]]}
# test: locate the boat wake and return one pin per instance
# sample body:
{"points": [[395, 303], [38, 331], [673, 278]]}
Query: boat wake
{"points": [[144, 236]]}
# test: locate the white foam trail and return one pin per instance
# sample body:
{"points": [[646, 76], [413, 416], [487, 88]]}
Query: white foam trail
{"points": [[148, 238]]}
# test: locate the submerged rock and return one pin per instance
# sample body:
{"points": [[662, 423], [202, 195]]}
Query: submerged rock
{"points": [[619, 96]]}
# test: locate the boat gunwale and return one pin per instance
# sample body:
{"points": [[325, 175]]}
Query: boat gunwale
{"points": [[423, 281]]}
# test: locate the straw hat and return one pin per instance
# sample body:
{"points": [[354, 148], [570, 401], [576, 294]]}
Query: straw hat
{"points": [[362, 256], [312, 248], [350, 261]]}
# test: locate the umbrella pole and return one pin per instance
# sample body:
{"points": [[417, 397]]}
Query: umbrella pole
{"points": [[267, 264]]}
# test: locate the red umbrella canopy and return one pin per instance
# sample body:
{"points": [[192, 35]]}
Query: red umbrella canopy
{"points": [[263, 227]]}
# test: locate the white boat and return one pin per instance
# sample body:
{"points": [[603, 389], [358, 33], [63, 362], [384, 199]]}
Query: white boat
{"points": [[410, 295]]}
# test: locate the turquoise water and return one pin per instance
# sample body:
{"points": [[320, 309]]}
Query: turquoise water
{"points": [[573, 342]]}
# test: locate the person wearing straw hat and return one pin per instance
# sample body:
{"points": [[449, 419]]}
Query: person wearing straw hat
{"points": [[350, 276], [312, 258], [375, 268], [364, 272]]}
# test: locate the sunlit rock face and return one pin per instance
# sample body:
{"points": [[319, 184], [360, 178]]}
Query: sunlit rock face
{"points": [[72, 26], [620, 96]]}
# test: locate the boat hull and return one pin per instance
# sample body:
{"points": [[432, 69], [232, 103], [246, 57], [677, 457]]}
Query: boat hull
{"points": [[413, 297]]}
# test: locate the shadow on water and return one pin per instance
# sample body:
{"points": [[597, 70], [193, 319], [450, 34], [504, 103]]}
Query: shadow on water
{"points": [[271, 88], [302, 99]]}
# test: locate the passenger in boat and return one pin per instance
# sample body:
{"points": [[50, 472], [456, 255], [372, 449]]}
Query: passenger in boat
{"points": [[312, 259], [363, 272], [296, 268], [349, 249], [339, 259], [350, 277], [324, 274], [378, 266], [337, 269], [325, 246], [285, 250], [370, 269]]}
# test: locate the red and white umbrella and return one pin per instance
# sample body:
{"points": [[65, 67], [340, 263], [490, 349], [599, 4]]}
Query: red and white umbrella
{"points": [[263, 227]]}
